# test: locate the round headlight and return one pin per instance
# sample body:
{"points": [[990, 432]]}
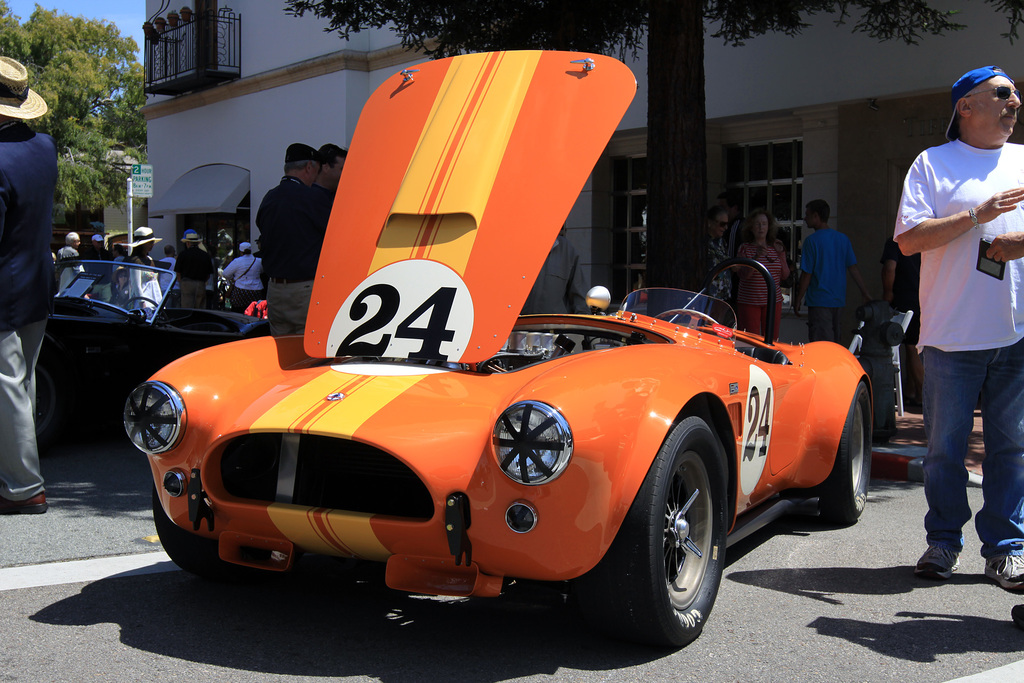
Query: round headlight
{"points": [[533, 442], [153, 416]]}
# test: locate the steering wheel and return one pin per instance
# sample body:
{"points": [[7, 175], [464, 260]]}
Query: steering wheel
{"points": [[673, 315], [143, 299]]}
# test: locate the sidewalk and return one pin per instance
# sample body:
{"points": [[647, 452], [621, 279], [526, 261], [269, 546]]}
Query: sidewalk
{"points": [[902, 457]]}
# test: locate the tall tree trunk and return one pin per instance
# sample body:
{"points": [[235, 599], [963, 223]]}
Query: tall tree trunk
{"points": [[676, 145]]}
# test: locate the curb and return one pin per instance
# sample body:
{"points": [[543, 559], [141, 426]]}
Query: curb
{"points": [[905, 463]]}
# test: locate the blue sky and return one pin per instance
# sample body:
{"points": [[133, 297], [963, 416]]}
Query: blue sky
{"points": [[128, 15]]}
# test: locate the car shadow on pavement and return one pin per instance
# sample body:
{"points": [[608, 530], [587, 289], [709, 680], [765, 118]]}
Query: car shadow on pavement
{"points": [[828, 584], [923, 637], [334, 620]]}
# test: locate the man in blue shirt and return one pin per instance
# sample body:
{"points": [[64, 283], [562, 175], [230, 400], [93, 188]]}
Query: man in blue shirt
{"points": [[826, 259], [28, 176]]}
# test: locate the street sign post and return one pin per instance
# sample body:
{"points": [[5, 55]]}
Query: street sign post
{"points": [[140, 185]]}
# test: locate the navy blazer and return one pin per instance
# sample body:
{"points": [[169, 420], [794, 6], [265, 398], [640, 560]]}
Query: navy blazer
{"points": [[28, 178], [292, 219]]}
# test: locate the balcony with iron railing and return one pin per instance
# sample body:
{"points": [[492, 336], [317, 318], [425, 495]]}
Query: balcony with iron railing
{"points": [[195, 52]]}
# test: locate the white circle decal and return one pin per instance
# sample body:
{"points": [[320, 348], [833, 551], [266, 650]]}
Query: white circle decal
{"points": [[409, 309]]}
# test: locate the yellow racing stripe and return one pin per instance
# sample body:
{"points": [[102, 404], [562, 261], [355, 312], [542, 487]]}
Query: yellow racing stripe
{"points": [[460, 150], [307, 409], [346, 534]]}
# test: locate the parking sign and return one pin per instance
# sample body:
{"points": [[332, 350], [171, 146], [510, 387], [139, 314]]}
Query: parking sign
{"points": [[142, 180]]}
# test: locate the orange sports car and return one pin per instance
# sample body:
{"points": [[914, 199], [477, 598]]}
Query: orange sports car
{"points": [[422, 422]]}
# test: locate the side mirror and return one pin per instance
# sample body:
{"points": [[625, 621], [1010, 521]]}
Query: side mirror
{"points": [[598, 298]]}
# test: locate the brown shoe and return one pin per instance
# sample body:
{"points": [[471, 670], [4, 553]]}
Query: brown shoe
{"points": [[36, 505]]}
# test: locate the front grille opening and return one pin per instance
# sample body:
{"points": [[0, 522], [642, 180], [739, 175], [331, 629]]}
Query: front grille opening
{"points": [[330, 473], [249, 466]]}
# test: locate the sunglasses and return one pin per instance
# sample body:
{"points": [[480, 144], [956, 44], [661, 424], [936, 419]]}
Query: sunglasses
{"points": [[1003, 92]]}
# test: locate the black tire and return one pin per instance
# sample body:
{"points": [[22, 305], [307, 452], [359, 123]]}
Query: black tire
{"points": [[53, 401], [842, 497], [197, 554], [647, 588]]}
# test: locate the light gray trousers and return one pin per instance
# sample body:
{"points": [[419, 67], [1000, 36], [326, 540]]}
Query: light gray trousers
{"points": [[20, 476]]}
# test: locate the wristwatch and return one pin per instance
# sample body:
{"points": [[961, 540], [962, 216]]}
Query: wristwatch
{"points": [[974, 216]]}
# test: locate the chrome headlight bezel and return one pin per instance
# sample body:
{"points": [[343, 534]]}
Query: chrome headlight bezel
{"points": [[537, 454], [154, 417]]}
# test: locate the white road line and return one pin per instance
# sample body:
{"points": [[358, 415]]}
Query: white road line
{"points": [[78, 571], [1010, 672]]}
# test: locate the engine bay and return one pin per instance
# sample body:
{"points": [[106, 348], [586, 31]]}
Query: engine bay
{"points": [[529, 344]]}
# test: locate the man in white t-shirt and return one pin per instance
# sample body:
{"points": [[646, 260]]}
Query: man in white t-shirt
{"points": [[961, 209]]}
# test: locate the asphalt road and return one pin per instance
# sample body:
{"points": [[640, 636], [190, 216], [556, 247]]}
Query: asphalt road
{"points": [[800, 601]]}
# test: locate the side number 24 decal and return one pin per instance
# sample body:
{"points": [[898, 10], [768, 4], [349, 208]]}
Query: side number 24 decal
{"points": [[758, 416]]}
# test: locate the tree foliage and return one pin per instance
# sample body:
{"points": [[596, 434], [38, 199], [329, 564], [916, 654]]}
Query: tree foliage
{"points": [[444, 29], [672, 32], [93, 85]]}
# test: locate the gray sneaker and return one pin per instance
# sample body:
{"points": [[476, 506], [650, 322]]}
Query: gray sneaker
{"points": [[937, 563], [1006, 570]]}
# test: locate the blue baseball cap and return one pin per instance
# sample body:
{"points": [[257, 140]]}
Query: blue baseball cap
{"points": [[964, 85]]}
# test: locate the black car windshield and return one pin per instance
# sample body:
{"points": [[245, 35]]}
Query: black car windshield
{"points": [[680, 306], [126, 286]]}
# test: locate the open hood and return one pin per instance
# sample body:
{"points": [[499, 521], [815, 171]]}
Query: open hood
{"points": [[460, 174]]}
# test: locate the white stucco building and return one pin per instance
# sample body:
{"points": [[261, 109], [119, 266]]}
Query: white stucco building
{"points": [[828, 114]]}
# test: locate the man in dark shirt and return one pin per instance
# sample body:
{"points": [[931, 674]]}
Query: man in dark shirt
{"points": [[559, 287], [28, 176], [292, 219], [194, 268], [96, 250], [333, 159]]}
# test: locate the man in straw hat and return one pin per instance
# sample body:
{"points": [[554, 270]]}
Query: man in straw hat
{"points": [[194, 268], [28, 177]]}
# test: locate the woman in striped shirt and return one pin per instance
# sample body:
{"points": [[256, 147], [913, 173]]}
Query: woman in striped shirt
{"points": [[760, 244]]}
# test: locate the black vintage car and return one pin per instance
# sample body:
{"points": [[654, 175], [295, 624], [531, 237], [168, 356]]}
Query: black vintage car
{"points": [[112, 328]]}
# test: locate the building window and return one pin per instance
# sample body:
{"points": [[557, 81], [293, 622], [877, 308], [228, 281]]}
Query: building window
{"points": [[771, 176], [629, 225]]}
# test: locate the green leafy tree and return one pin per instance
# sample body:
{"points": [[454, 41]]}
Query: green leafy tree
{"points": [[673, 32], [93, 85]]}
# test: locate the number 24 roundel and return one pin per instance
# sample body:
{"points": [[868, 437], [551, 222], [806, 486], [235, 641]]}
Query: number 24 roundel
{"points": [[409, 309]]}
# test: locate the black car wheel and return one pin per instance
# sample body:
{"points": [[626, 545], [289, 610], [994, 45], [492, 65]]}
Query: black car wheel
{"points": [[841, 498], [197, 554], [658, 581], [52, 401]]}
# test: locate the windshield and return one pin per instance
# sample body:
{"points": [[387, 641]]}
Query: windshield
{"points": [[126, 286], [680, 306]]}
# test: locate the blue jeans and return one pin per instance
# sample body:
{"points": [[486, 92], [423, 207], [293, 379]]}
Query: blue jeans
{"points": [[823, 324], [953, 384]]}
